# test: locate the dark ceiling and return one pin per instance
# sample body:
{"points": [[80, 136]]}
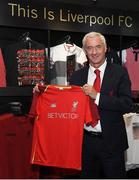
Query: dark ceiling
{"points": [[129, 5]]}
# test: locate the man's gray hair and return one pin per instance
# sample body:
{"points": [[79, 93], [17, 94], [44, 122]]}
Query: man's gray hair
{"points": [[91, 35]]}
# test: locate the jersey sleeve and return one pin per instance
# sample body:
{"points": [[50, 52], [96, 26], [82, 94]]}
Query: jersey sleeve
{"points": [[92, 114], [33, 111]]}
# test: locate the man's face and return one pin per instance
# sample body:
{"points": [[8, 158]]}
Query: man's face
{"points": [[95, 51]]}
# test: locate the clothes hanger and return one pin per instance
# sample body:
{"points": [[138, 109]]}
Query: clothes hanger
{"points": [[68, 39], [26, 37], [134, 44]]}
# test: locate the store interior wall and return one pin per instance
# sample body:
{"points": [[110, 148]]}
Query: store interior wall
{"points": [[50, 38]]}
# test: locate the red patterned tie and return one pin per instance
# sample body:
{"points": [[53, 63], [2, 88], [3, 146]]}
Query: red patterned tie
{"points": [[97, 80], [96, 85]]}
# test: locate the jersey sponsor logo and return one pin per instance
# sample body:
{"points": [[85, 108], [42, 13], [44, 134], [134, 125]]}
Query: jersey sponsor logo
{"points": [[62, 115]]}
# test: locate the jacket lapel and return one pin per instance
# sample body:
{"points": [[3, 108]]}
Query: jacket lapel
{"points": [[107, 79]]}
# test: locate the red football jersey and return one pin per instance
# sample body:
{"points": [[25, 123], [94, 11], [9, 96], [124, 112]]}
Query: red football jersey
{"points": [[15, 147], [58, 129]]}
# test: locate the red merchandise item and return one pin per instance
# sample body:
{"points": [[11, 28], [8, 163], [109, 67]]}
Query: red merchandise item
{"points": [[15, 148], [2, 71], [132, 65], [58, 130]]}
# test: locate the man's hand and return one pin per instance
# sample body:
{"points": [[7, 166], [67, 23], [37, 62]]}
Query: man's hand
{"points": [[90, 91], [36, 89], [39, 88]]}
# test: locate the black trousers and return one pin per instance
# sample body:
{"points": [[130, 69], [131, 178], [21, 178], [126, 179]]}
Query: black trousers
{"points": [[98, 163]]}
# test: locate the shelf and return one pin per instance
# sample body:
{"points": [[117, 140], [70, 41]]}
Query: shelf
{"points": [[16, 91]]}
